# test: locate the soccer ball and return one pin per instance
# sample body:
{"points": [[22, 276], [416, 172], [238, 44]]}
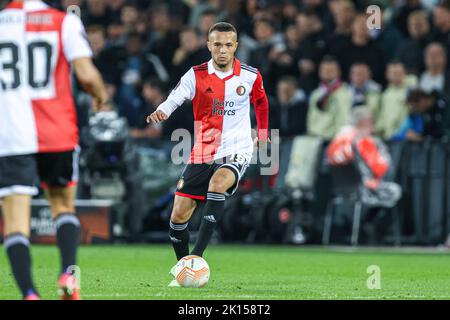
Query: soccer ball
{"points": [[192, 272]]}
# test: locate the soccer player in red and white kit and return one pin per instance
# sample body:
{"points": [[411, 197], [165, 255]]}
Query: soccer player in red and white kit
{"points": [[221, 91], [38, 129]]}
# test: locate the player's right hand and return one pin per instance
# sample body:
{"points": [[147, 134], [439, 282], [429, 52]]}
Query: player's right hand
{"points": [[156, 117]]}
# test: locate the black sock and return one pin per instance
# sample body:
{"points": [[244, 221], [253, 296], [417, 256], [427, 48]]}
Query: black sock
{"points": [[214, 209], [179, 236], [18, 249], [67, 238]]}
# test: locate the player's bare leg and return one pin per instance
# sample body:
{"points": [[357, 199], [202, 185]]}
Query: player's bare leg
{"points": [[16, 211], [67, 236], [222, 180]]}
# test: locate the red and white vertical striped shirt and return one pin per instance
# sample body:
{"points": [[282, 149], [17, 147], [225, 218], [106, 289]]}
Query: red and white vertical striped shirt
{"points": [[221, 107], [37, 111]]}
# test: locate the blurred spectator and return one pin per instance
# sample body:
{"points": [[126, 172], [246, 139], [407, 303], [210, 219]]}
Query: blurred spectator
{"points": [[441, 20], [191, 52], [361, 49], [330, 103], [410, 50], [365, 91], [387, 38], [206, 20], [153, 94], [206, 10], [426, 117], [400, 17], [357, 144], [288, 113], [106, 59], [115, 8], [129, 17], [436, 76], [116, 33], [130, 102], [394, 109], [163, 41], [284, 57], [289, 12], [312, 48], [97, 13], [343, 12], [317, 6], [267, 38]]}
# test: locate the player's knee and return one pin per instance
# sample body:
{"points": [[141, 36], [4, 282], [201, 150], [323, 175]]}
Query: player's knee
{"points": [[218, 184], [179, 215]]}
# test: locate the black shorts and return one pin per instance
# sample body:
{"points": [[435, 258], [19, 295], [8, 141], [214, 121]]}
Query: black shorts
{"points": [[194, 181], [58, 169], [18, 175], [21, 174]]}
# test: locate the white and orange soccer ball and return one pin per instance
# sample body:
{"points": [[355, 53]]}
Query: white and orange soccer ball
{"points": [[192, 272]]}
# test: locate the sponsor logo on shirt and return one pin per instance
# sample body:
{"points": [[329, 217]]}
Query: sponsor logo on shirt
{"points": [[220, 108]]}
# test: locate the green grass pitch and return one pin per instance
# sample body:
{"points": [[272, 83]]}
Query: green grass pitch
{"points": [[245, 272]]}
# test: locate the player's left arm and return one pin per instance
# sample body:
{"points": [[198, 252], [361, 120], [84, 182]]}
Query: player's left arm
{"points": [[261, 104]]}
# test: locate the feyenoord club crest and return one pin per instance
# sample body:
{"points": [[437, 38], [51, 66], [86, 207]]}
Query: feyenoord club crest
{"points": [[180, 184], [240, 90]]}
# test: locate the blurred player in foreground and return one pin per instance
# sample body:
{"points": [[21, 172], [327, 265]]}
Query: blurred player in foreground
{"points": [[38, 129]]}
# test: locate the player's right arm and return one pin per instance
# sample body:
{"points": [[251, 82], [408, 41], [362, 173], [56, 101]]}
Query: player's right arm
{"points": [[92, 82], [78, 52], [184, 90]]}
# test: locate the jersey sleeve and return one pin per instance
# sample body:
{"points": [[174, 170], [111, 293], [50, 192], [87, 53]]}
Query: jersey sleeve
{"points": [[370, 152], [184, 90], [261, 105], [74, 38]]}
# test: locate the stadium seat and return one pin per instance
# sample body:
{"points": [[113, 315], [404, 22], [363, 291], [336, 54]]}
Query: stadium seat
{"points": [[346, 183]]}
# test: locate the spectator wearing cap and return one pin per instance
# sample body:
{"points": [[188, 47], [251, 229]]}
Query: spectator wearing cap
{"points": [[330, 103], [410, 50], [436, 76], [394, 109]]}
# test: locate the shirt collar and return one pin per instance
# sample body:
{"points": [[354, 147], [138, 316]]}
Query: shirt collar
{"points": [[236, 67]]}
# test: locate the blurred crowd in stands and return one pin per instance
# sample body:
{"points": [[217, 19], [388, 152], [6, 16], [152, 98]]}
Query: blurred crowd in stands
{"points": [[318, 59]]}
